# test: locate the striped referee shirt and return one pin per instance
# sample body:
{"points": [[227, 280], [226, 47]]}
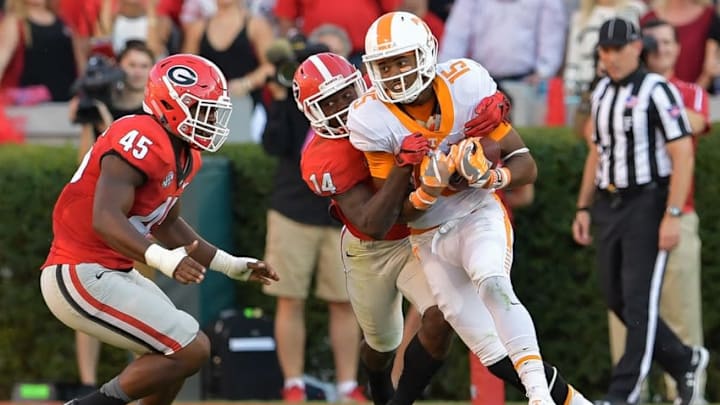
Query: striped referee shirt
{"points": [[634, 119]]}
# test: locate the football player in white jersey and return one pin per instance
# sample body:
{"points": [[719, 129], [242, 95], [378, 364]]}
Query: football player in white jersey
{"points": [[462, 235]]}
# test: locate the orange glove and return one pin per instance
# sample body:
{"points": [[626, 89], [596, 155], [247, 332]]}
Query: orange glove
{"points": [[471, 162], [490, 113], [435, 172]]}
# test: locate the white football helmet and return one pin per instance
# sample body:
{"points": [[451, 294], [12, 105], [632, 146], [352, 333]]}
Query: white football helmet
{"points": [[394, 34]]}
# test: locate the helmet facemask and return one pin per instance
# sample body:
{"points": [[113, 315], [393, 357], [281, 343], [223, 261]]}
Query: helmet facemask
{"points": [[334, 125], [206, 121], [424, 72]]}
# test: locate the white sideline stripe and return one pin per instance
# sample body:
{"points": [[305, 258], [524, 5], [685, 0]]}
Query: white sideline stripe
{"points": [[655, 284], [254, 344]]}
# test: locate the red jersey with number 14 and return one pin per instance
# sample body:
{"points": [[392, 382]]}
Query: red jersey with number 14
{"points": [[333, 166], [144, 144]]}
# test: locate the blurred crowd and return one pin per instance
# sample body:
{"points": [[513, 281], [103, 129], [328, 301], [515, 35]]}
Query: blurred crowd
{"points": [[550, 41], [96, 55]]}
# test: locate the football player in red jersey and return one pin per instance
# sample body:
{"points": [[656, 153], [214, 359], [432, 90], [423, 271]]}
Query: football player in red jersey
{"points": [[377, 253], [126, 189]]}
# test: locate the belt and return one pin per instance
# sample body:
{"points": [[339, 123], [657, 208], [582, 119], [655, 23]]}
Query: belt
{"points": [[617, 195]]}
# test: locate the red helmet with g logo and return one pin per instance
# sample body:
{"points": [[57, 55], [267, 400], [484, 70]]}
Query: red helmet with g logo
{"points": [[189, 95], [319, 77]]}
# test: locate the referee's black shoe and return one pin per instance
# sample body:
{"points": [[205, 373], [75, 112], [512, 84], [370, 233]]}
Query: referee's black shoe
{"points": [[688, 385]]}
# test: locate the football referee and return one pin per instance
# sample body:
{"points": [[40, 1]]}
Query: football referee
{"points": [[636, 177]]}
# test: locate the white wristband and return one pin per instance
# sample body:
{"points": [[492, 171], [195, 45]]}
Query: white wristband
{"points": [[233, 266], [163, 259]]}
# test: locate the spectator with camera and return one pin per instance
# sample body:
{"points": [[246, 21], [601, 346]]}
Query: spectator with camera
{"points": [[108, 91], [303, 240]]}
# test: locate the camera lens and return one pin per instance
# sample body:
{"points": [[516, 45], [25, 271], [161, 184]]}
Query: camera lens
{"points": [[285, 73]]}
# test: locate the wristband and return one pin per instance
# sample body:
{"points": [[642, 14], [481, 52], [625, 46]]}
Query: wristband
{"points": [[163, 259], [583, 208], [233, 266], [502, 178], [421, 200]]}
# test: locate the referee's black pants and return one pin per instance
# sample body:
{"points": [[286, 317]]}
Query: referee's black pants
{"points": [[631, 271]]}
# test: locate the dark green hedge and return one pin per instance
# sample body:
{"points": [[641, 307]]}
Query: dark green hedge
{"points": [[554, 277]]}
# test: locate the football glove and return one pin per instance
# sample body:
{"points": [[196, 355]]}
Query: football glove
{"points": [[490, 113], [470, 161], [413, 149], [435, 170]]}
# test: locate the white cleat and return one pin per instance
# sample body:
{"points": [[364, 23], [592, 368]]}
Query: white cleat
{"points": [[546, 400], [576, 398]]}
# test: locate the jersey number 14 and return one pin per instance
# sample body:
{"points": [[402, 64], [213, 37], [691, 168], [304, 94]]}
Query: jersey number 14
{"points": [[326, 186]]}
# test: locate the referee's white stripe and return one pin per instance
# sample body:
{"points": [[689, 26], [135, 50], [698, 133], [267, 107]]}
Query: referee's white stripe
{"points": [[655, 284]]}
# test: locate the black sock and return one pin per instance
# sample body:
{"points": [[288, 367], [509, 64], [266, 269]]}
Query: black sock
{"points": [[558, 387], [505, 370], [98, 398], [109, 394], [419, 367], [381, 387]]}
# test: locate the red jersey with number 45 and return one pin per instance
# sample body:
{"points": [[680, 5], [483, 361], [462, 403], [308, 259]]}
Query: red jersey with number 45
{"points": [[145, 145], [333, 166]]}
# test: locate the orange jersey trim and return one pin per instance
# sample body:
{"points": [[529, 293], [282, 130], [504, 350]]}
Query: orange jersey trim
{"points": [[447, 114], [500, 131], [380, 164]]}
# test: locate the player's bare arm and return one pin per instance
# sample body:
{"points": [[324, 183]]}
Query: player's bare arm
{"points": [[114, 198], [375, 213], [378, 213], [175, 232], [517, 158]]}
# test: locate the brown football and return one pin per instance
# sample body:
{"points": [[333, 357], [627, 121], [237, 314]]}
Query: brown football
{"points": [[491, 149]]}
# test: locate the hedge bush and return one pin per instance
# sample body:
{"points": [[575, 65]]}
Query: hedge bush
{"points": [[554, 277]]}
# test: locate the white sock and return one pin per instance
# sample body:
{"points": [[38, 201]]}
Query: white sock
{"points": [[517, 333], [531, 371], [295, 382], [345, 387]]}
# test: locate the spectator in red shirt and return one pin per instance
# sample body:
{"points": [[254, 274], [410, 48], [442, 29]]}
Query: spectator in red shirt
{"points": [[354, 17], [698, 33]]}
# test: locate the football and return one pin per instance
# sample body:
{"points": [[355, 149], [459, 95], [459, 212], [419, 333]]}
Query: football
{"points": [[491, 149]]}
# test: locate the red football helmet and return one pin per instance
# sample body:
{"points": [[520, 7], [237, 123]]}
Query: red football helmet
{"points": [[318, 78], [189, 95]]}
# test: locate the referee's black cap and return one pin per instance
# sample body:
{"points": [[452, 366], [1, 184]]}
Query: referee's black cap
{"points": [[617, 32]]}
